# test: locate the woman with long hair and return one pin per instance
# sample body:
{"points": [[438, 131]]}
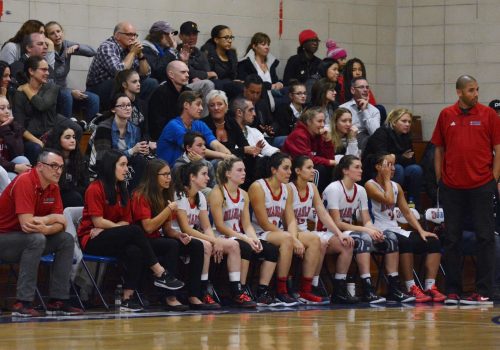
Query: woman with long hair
{"points": [[75, 177], [344, 198], [12, 50], [106, 230], [323, 95], [272, 202], [385, 195], [229, 205], [64, 50], [192, 218], [343, 134], [354, 68], [153, 207], [5, 81], [308, 203]]}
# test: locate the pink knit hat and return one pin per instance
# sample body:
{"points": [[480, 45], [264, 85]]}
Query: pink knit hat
{"points": [[332, 51]]}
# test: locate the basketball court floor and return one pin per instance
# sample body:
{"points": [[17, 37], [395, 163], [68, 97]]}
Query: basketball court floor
{"points": [[307, 328]]}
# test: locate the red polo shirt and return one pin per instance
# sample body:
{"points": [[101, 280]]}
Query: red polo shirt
{"points": [[468, 141], [97, 205], [142, 210], [25, 195]]}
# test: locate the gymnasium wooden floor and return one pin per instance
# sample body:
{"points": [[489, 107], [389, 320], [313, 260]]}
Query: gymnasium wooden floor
{"points": [[408, 327]]}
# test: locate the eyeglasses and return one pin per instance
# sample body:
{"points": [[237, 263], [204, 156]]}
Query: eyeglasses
{"points": [[130, 35], [54, 166], [128, 105], [227, 37], [165, 174], [300, 93], [362, 87]]}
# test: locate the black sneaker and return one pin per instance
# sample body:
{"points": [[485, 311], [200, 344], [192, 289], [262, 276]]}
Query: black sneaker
{"points": [[369, 294], [340, 293], [130, 305], [60, 307], [168, 281], [286, 299], [24, 309], [266, 300], [395, 294], [244, 301]]}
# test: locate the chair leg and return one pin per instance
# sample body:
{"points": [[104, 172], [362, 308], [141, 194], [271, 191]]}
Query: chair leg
{"points": [[95, 284], [73, 287]]}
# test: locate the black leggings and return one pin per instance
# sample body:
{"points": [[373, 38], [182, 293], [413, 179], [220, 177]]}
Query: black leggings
{"points": [[130, 246], [269, 251], [416, 245]]}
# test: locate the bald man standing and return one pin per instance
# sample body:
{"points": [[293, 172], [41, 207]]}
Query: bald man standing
{"points": [[120, 51], [467, 162]]}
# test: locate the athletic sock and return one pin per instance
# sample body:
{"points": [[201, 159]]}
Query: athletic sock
{"points": [[281, 285], [409, 284], [429, 283], [315, 281], [340, 276], [305, 284]]}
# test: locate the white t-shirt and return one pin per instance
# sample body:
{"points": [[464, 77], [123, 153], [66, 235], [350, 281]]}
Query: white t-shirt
{"points": [[335, 196], [192, 212], [302, 207], [275, 206]]}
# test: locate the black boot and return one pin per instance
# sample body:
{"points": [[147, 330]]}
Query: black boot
{"points": [[340, 293], [395, 294], [369, 292]]}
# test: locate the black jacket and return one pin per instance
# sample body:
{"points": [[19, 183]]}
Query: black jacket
{"points": [[385, 139], [198, 64], [157, 63], [224, 70], [284, 120], [236, 141], [300, 68]]}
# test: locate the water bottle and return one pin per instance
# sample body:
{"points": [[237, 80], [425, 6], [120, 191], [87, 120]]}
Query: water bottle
{"points": [[411, 203], [118, 296]]}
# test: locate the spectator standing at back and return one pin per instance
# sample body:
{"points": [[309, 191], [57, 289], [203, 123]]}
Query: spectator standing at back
{"points": [[467, 162]]}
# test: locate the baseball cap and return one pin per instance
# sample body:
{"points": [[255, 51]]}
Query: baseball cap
{"points": [[495, 104], [162, 26], [189, 28]]}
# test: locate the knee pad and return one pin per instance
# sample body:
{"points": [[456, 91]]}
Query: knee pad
{"points": [[245, 250], [362, 242], [391, 242]]}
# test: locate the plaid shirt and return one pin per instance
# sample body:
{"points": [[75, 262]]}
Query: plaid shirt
{"points": [[108, 62]]}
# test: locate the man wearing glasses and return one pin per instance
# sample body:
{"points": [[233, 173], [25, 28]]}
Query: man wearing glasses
{"points": [[365, 116], [32, 225], [120, 51]]}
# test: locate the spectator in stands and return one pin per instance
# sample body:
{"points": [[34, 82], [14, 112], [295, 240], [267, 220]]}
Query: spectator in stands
{"points": [[343, 134], [118, 52], [223, 60], [309, 138], [119, 133], [394, 137], [323, 96], [159, 49], [128, 82], [164, 101], [259, 61], [195, 151], [75, 176], [334, 52], [287, 115], [263, 116], [495, 104], [304, 65], [328, 69], [12, 135], [6, 88], [223, 126], [199, 68], [153, 208], [468, 184], [355, 68], [35, 105], [35, 44], [12, 49], [64, 50], [385, 195], [32, 225], [106, 230], [171, 141], [365, 116]]}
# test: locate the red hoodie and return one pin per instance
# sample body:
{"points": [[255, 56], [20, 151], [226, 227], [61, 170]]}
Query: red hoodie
{"points": [[301, 143]]}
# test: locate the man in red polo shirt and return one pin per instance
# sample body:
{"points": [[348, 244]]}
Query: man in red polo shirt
{"points": [[467, 161], [32, 225]]}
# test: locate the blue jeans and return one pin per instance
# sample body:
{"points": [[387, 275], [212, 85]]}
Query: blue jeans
{"points": [[31, 151], [410, 178], [65, 103]]}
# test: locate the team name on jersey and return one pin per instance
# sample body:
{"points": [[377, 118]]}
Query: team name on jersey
{"points": [[193, 219], [302, 212], [384, 207], [275, 211], [346, 213], [232, 214]]}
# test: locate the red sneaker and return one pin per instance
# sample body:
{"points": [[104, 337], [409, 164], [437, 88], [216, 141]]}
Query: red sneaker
{"points": [[452, 299], [24, 309], [208, 300], [420, 296], [309, 298], [476, 299], [435, 294], [60, 307], [244, 301]]}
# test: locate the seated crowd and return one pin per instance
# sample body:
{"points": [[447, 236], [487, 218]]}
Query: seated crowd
{"points": [[178, 135]]}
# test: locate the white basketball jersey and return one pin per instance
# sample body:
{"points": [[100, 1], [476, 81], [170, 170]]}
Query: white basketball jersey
{"points": [[335, 196], [275, 206], [232, 210], [383, 214], [302, 207], [192, 211]]}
